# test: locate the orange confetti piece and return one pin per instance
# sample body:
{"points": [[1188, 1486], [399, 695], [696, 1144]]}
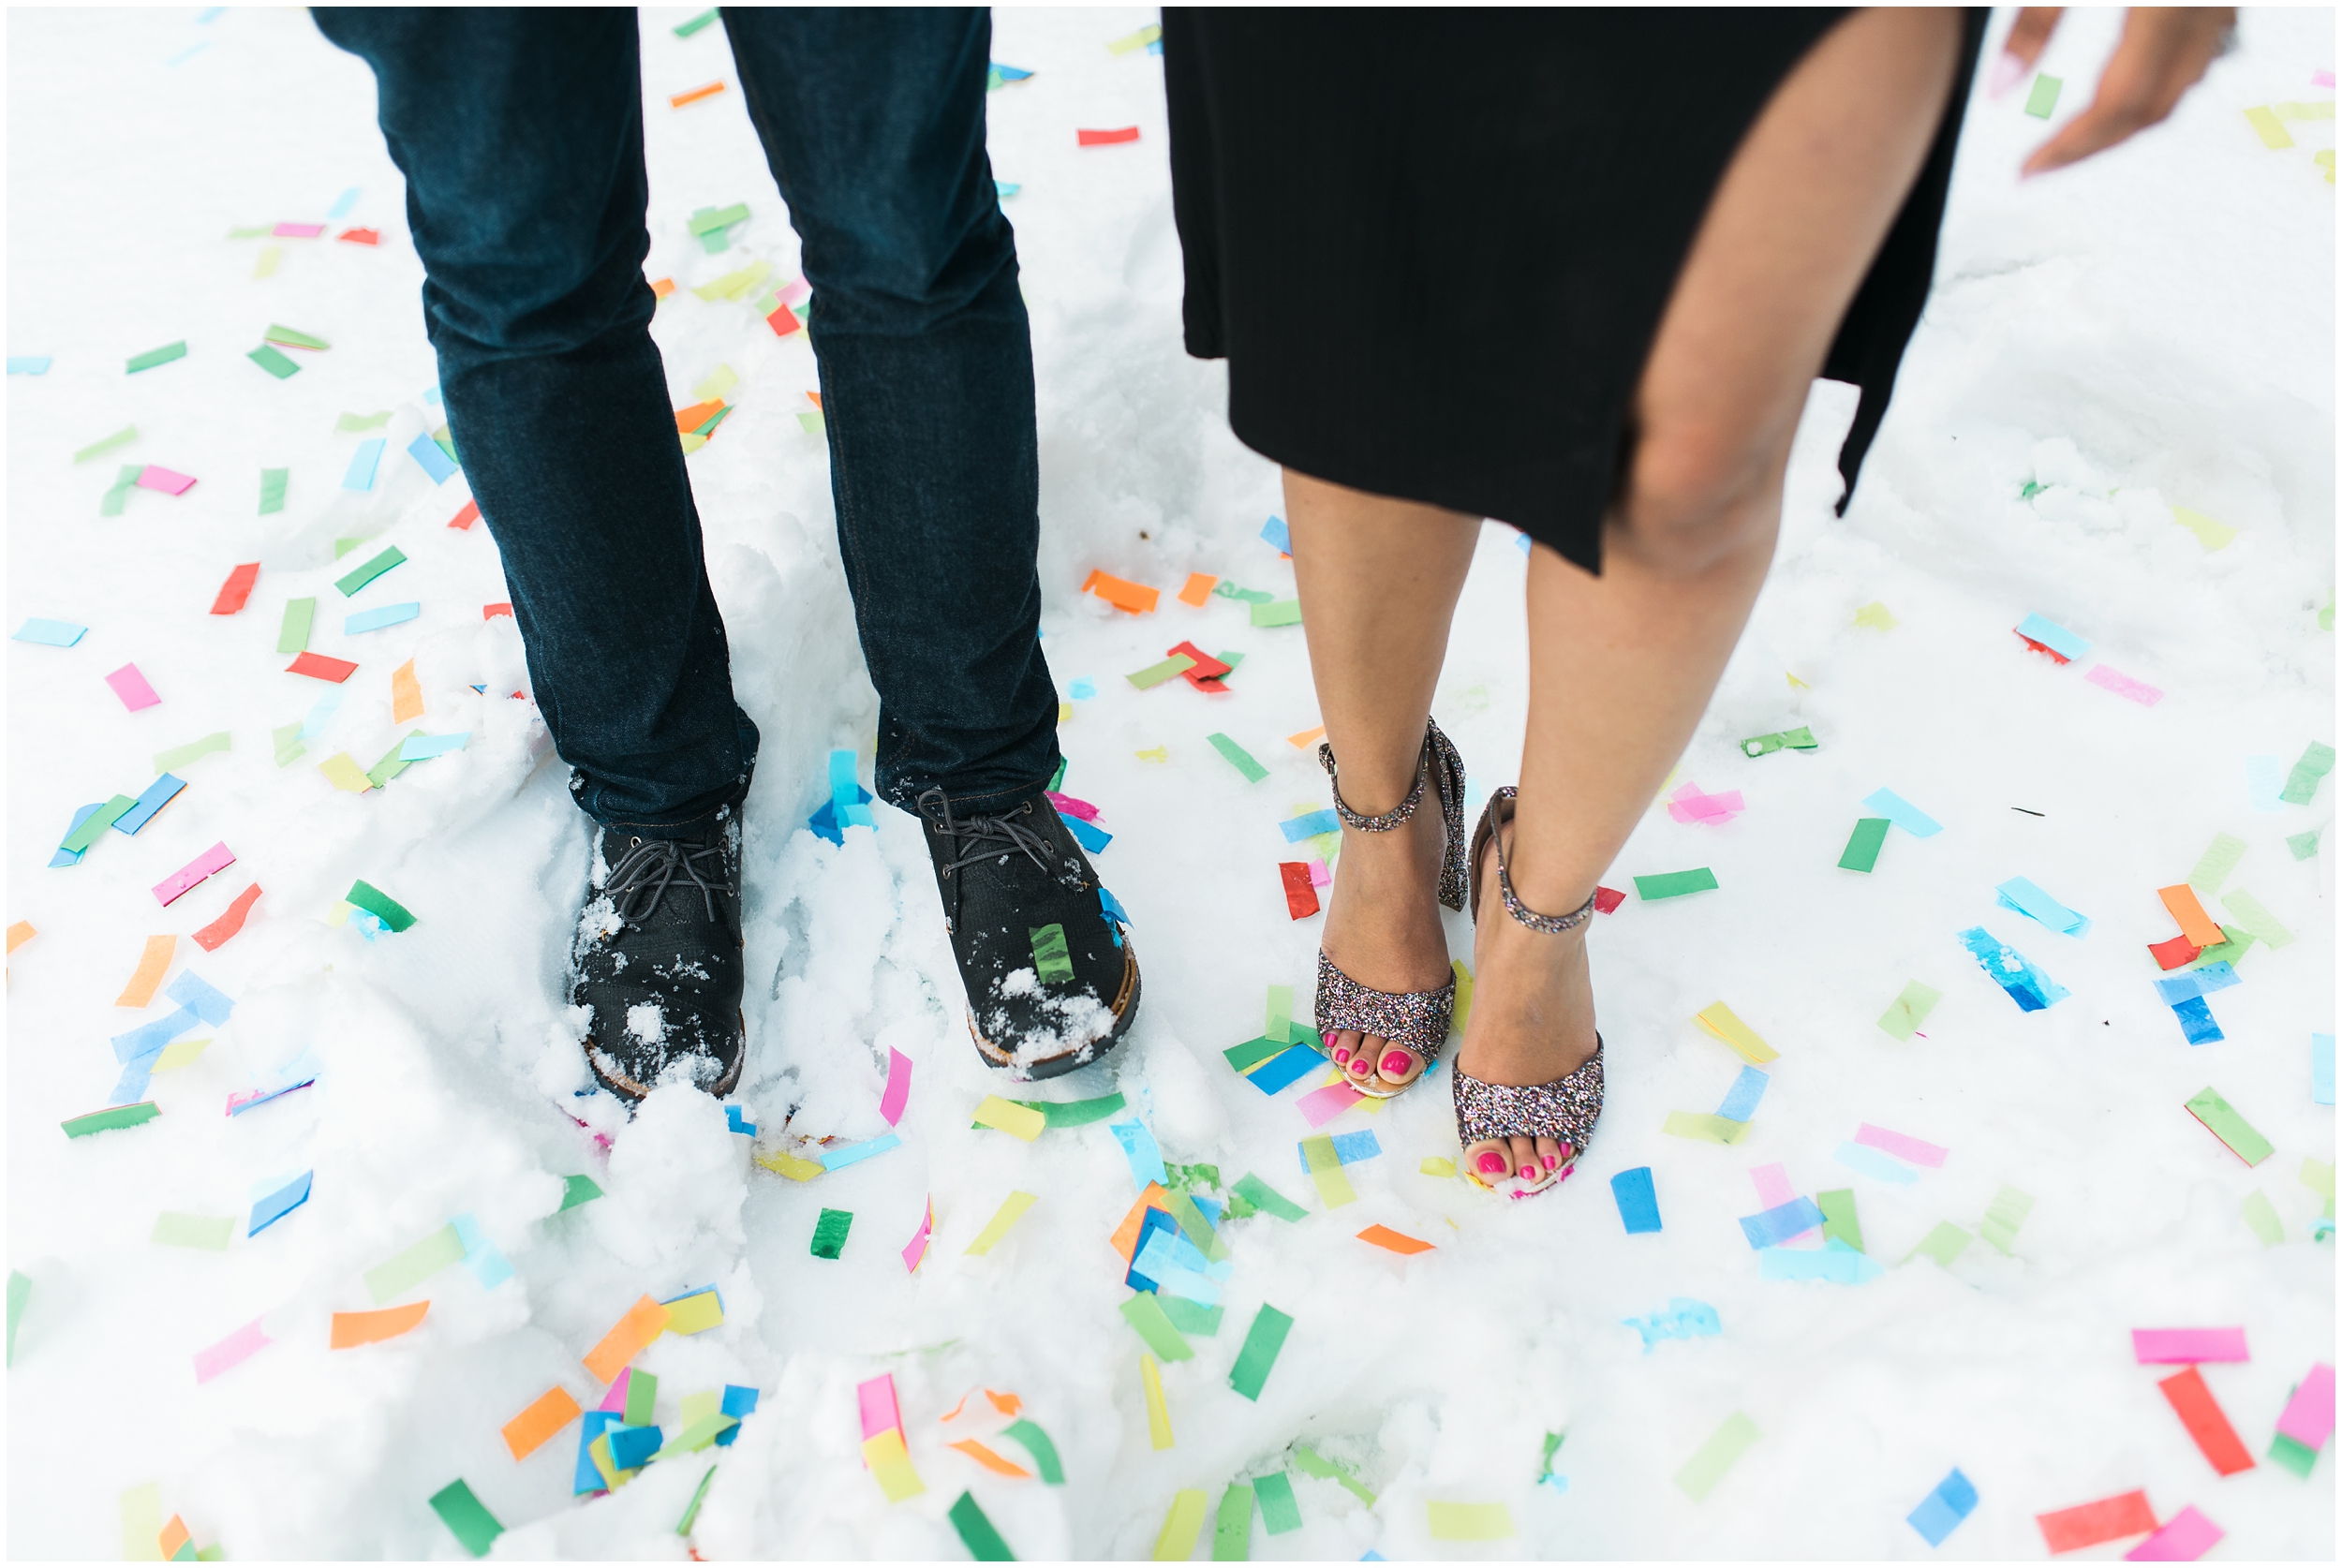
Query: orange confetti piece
{"points": [[465, 518], [152, 965], [643, 1322], [1306, 738], [1007, 1404], [695, 94], [20, 933], [689, 419], [662, 287], [406, 695], [1125, 1237], [534, 1426], [1199, 588], [990, 1461], [1134, 596], [1392, 1241], [175, 1535], [2196, 925], [365, 1329]]}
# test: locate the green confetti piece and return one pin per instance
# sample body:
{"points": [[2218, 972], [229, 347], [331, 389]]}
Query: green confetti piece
{"points": [[1155, 674], [1545, 1461], [292, 337], [97, 823], [1268, 1199], [344, 546], [1861, 850], [293, 637], [393, 764], [1188, 1178], [691, 1515], [1280, 1513], [467, 1517], [2228, 951], [1704, 1126], [1799, 739], [1326, 1470], [829, 1233], [362, 575], [154, 357], [1050, 960], [1037, 1443], [288, 747], [1252, 1053], [380, 904], [684, 30], [442, 1249], [1839, 1221], [1910, 1010], [1226, 589], [2042, 101], [1057, 779], [1074, 1113], [1177, 1543], [1191, 1317], [1674, 884], [814, 422], [179, 756], [2217, 861], [1262, 1341], [276, 365], [694, 1438], [1723, 1449], [2304, 845], [2221, 1120], [705, 429], [1946, 1242], [2261, 1218], [976, 1533], [577, 1190], [211, 1554], [19, 1292], [2254, 916], [708, 220], [257, 232], [1283, 613], [121, 437], [1196, 1228], [118, 495], [1239, 759], [2297, 1456], [641, 1398], [357, 424], [1144, 1314], [2006, 1218], [2300, 784], [1232, 1530], [200, 1232]]}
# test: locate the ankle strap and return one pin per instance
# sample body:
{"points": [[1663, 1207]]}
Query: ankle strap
{"points": [[1553, 925], [1435, 745]]}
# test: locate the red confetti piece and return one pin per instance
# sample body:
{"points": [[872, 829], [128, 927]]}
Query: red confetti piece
{"points": [[238, 588], [465, 518], [230, 922], [1107, 138], [2201, 1414], [321, 668], [1301, 892], [2070, 1529]]}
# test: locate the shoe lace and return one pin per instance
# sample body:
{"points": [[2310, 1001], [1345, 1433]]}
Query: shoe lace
{"points": [[645, 872], [975, 840]]}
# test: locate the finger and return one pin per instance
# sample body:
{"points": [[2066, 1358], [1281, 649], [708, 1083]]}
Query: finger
{"points": [[2023, 47], [2160, 55]]}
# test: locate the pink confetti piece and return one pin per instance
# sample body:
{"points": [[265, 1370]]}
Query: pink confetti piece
{"points": [[1320, 1106], [229, 1352], [169, 480], [917, 1247], [898, 1093], [879, 1411], [1688, 805], [2187, 1536], [2321, 78], [297, 231], [799, 289], [1773, 1191], [2308, 1417], [2169, 1347], [1069, 807], [217, 858], [1901, 1145], [615, 1399], [132, 689], [2121, 685], [1321, 874]]}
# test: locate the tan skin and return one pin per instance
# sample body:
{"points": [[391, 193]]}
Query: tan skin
{"points": [[1620, 666]]}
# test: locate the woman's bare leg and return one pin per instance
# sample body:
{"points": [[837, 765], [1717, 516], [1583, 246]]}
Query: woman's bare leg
{"points": [[1622, 666]]}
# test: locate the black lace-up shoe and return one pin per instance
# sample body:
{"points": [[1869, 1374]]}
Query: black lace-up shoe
{"points": [[1052, 982], [657, 958]]}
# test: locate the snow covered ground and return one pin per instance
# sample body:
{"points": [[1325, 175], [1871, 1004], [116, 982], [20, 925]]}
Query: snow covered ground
{"points": [[2152, 330]]}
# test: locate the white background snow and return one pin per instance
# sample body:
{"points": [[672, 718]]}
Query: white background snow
{"points": [[2153, 329]]}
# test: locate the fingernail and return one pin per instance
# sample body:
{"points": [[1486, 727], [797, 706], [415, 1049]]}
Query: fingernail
{"points": [[2007, 72], [1395, 1063], [1342, 1055], [1491, 1163]]}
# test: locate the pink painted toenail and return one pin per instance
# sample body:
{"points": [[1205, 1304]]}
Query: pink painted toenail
{"points": [[1491, 1163], [1551, 1160], [1342, 1055], [1395, 1063]]}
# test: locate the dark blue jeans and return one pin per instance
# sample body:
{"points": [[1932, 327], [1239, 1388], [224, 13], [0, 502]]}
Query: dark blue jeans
{"points": [[520, 133]]}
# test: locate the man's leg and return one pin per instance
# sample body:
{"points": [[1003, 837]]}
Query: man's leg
{"points": [[520, 134]]}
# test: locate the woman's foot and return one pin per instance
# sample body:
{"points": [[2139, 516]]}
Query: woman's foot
{"points": [[1532, 1020], [1382, 929]]}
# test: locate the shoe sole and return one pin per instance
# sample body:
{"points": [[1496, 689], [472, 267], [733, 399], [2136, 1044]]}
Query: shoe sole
{"points": [[633, 1093], [1125, 1014]]}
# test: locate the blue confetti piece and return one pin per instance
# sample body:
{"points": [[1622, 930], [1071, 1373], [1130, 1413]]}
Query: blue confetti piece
{"points": [[2322, 1069], [1138, 1147], [838, 1158], [631, 1447], [148, 1039], [421, 749], [824, 822], [28, 365], [321, 713], [1777, 1225], [1837, 1263], [739, 1403], [431, 395], [1682, 1320], [1276, 533], [1940, 1512], [158, 794], [431, 458], [375, 620], [362, 463], [1208, 1207], [1349, 1147], [200, 997], [1637, 1201], [280, 1203], [2197, 983], [2016, 975], [1869, 1162], [1082, 689], [738, 1123], [2022, 895], [1010, 73], [73, 857], [1310, 826], [845, 794], [1900, 812], [1007, 187], [132, 1086], [2261, 786], [1090, 836], [1281, 1072], [1739, 1102], [1151, 1221], [2041, 630], [597, 1422], [343, 202], [53, 634], [189, 54], [1112, 905], [486, 1261], [2196, 1021]]}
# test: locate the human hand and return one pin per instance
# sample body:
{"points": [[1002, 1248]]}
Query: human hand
{"points": [[2162, 53]]}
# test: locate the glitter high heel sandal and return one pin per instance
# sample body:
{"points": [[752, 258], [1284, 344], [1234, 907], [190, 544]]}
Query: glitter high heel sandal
{"points": [[1413, 1021], [1563, 1110]]}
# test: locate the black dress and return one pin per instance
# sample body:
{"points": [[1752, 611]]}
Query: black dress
{"points": [[1435, 245]]}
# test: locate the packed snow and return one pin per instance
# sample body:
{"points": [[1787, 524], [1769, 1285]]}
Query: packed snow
{"points": [[2152, 330]]}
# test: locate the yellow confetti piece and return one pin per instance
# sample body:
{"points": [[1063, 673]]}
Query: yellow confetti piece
{"points": [[718, 383], [695, 1314], [1464, 997], [1795, 683], [1064, 712], [267, 263], [2271, 133], [1010, 1211], [180, 1054], [1469, 1521], [1139, 39], [1326, 1170], [696, 1407], [782, 1162], [1017, 1122], [890, 1465], [342, 770], [1435, 1166], [1877, 616], [2210, 533], [1709, 1129], [1720, 1021], [1181, 1526], [1158, 1414], [611, 1476], [1160, 754]]}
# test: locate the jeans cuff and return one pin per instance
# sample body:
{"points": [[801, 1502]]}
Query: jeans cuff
{"points": [[981, 801]]}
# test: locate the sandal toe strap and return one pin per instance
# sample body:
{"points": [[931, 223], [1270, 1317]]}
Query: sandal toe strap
{"points": [[1413, 1021], [1563, 1110]]}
